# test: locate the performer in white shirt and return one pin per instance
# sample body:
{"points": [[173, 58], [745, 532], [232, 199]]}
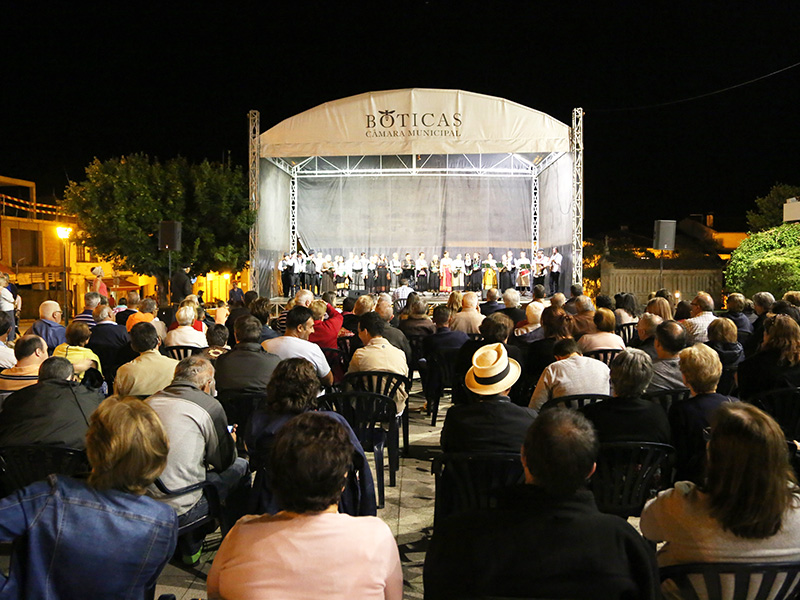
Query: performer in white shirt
{"points": [[422, 273], [396, 269], [459, 268], [523, 272], [555, 270]]}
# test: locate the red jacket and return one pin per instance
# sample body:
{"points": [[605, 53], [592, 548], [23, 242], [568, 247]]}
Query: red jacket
{"points": [[326, 331]]}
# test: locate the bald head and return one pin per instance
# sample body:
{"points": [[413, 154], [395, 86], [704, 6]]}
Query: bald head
{"points": [[470, 300], [48, 310]]}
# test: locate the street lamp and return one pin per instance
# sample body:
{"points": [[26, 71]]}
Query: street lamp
{"points": [[63, 234]]}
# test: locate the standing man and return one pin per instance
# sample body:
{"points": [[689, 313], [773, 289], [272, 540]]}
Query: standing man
{"points": [[236, 294], [180, 285], [286, 267], [555, 270]]}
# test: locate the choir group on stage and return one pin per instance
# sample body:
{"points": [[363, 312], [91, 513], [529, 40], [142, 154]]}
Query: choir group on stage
{"points": [[378, 274]]}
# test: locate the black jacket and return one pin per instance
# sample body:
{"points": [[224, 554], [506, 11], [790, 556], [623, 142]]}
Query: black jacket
{"points": [[110, 343], [54, 412], [539, 546]]}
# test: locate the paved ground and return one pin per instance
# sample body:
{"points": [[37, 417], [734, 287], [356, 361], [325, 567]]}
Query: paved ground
{"points": [[408, 511]]}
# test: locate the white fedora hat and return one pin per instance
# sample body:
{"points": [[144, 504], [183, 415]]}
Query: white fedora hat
{"points": [[492, 372]]}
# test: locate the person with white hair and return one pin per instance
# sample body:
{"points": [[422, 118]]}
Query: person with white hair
{"points": [[48, 326], [511, 300], [469, 319], [185, 334], [90, 301]]}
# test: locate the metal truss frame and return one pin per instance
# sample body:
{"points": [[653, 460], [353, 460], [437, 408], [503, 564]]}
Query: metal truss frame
{"points": [[255, 196], [576, 146]]}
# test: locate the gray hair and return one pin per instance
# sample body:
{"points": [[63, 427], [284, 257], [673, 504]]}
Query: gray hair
{"points": [[470, 300], [584, 304], [102, 313], [650, 323], [631, 372], [133, 299], [195, 369], [511, 298], [91, 299], [764, 299], [185, 315]]}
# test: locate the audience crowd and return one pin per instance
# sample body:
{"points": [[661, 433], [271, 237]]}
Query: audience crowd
{"points": [[233, 403]]}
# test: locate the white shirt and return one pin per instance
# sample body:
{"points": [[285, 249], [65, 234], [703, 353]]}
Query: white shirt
{"points": [[555, 262], [574, 375], [186, 335], [7, 358], [288, 346]]}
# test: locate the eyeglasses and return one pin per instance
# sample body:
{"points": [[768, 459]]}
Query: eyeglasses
{"points": [[706, 434]]}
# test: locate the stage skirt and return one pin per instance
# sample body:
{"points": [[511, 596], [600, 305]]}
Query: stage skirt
{"points": [[327, 283], [446, 284], [433, 281], [506, 281], [382, 280], [524, 279], [422, 283], [475, 280], [489, 279], [458, 281]]}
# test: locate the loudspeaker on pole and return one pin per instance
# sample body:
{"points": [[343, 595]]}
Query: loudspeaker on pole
{"points": [[169, 236], [664, 235]]}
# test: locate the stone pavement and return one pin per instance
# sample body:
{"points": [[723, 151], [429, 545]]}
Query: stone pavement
{"points": [[408, 511]]}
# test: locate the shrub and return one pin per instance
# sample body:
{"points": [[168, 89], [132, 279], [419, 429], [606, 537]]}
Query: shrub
{"points": [[768, 261]]}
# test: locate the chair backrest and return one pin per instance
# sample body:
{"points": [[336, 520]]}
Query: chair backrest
{"points": [[628, 474], [380, 382], [209, 491], [23, 465], [181, 352], [346, 346], [399, 305], [367, 413], [605, 355], [338, 362], [444, 364], [415, 341], [475, 337], [575, 401], [466, 480], [735, 580], [627, 332], [784, 406], [666, 398]]}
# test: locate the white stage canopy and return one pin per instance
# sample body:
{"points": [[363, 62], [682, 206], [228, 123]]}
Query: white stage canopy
{"points": [[416, 169]]}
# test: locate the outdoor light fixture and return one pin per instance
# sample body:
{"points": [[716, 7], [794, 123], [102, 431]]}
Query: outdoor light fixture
{"points": [[227, 276], [63, 232]]}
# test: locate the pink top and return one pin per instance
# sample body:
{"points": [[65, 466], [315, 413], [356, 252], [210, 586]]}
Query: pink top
{"points": [[602, 340], [100, 287], [313, 555]]}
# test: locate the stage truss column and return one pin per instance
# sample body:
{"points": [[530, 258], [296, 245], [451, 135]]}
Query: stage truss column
{"points": [[255, 198], [534, 214], [293, 212], [576, 147]]}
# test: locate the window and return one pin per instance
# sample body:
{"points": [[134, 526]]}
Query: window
{"points": [[25, 245]]}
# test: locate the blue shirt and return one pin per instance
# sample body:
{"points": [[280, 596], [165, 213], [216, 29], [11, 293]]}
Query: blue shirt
{"points": [[84, 543], [54, 334]]}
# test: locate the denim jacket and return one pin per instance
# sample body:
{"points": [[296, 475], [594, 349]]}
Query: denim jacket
{"points": [[77, 542]]}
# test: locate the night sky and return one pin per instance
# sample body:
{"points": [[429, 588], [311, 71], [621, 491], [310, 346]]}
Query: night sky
{"points": [[79, 83]]}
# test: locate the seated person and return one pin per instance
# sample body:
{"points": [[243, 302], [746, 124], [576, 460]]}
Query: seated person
{"points": [[571, 374], [646, 328], [293, 390], [217, 337], [185, 334], [777, 363], [579, 552], [109, 341], [722, 339], [201, 449], [75, 350], [418, 323], [746, 510], [260, 309], [53, 411], [30, 352], [7, 358], [65, 527], [327, 323], [247, 368], [701, 370], [48, 326], [151, 371], [670, 340], [267, 556], [604, 338], [493, 424], [627, 417], [294, 342]]}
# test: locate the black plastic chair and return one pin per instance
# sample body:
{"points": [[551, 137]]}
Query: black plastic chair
{"points": [[372, 417], [575, 401], [443, 378], [22, 465], [181, 352], [417, 354], [628, 474], [627, 332], [466, 480], [338, 362], [784, 406], [667, 398], [387, 384], [734, 580], [605, 355], [347, 345], [475, 337]]}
